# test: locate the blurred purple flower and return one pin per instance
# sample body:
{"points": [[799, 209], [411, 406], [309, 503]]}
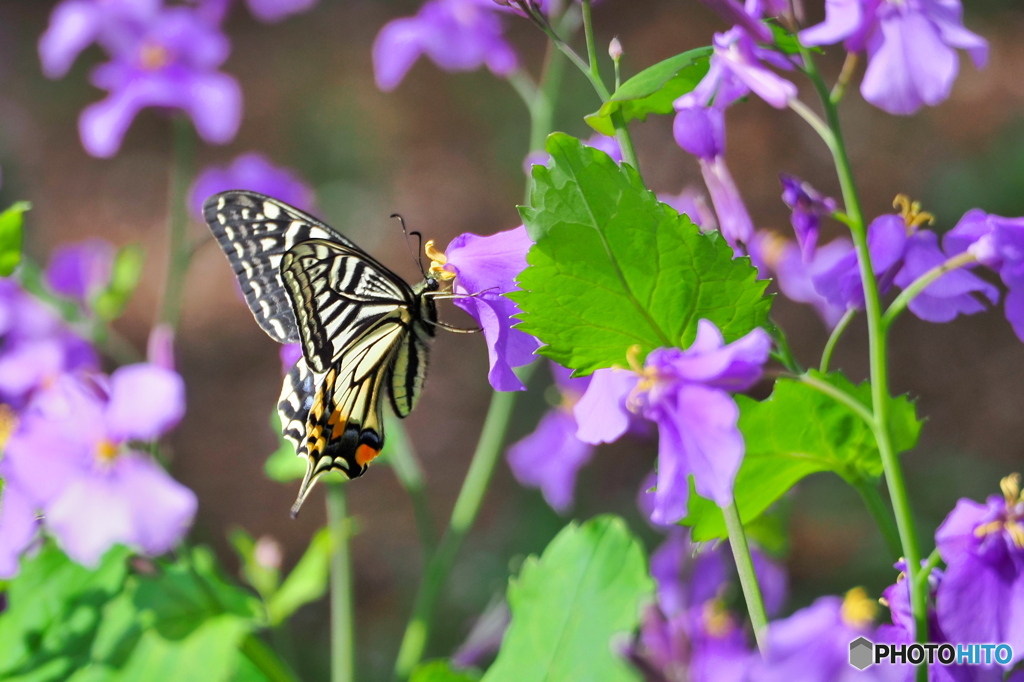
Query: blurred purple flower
{"points": [[808, 206], [981, 596], [18, 527], [457, 35], [813, 644], [700, 131], [290, 354], [795, 276], [484, 638], [841, 284], [997, 243], [160, 57], [734, 12], [82, 269], [253, 172], [160, 346], [551, 456], [911, 47], [737, 68], [96, 490], [35, 346], [485, 269], [957, 292], [608, 145], [273, 11], [692, 204]]}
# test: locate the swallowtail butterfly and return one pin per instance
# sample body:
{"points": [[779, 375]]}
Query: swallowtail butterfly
{"points": [[365, 333]]}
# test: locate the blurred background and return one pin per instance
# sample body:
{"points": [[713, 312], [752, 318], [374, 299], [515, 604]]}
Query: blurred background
{"points": [[446, 151]]}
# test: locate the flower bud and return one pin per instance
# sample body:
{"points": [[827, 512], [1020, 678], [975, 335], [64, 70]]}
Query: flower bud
{"points": [[615, 49], [268, 553]]}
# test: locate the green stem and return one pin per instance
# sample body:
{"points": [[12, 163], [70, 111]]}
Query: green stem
{"points": [[929, 565], [748, 579], [264, 658], [919, 284], [877, 355], [179, 250], [833, 339], [785, 353], [841, 397], [849, 66], [342, 629], [881, 513], [407, 468], [488, 450]]}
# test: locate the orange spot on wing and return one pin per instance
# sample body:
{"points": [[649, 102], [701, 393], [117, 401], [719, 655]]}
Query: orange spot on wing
{"points": [[365, 455], [337, 422]]}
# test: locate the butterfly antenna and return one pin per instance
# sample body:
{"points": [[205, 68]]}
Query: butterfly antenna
{"points": [[418, 254]]}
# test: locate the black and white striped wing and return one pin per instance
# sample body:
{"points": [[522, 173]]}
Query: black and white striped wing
{"points": [[339, 295], [335, 420], [409, 371], [255, 231]]}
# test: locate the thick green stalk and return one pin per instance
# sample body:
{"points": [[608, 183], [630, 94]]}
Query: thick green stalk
{"points": [[877, 355], [488, 451], [406, 465], [342, 629], [264, 658], [178, 251], [748, 579]]}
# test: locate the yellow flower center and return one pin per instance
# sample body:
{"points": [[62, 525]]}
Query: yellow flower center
{"points": [[716, 618], [649, 378], [1012, 524], [8, 423], [912, 214], [437, 262], [858, 610], [153, 56], [106, 451], [772, 246]]}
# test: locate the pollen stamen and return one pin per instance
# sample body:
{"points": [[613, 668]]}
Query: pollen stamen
{"points": [[911, 211], [1010, 485], [858, 610], [106, 451], [8, 423], [716, 619], [437, 262], [153, 56]]}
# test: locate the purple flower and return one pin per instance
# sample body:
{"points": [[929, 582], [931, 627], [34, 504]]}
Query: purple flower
{"points": [[484, 269], [692, 204], [35, 346], [161, 57], [289, 354], [608, 145], [72, 457], [955, 293], [981, 596], [457, 35], [484, 638], [685, 393], [18, 528], [841, 284], [273, 11], [81, 270], [736, 69], [997, 243], [551, 456], [808, 206], [776, 256], [911, 46], [813, 644], [253, 172], [701, 131]]}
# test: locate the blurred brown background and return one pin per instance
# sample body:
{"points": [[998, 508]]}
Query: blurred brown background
{"points": [[446, 151]]}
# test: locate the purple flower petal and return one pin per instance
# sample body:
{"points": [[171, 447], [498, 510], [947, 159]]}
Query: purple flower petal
{"points": [[273, 11], [550, 457], [253, 172], [74, 25], [808, 206], [215, 104], [146, 401], [841, 284], [733, 219], [842, 19], [700, 131], [80, 270], [90, 516], [487, 267], [601, 413], [161, 509], [735, 366], [693, 205], [289, 354], [18, 528]]}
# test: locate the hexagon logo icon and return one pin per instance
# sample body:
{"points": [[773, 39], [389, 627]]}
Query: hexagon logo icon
{"points": [[861, 653]]}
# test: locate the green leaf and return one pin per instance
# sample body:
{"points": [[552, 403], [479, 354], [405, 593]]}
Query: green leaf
{"points": [[612, 267], [209, 652], [283, 465], [265, 579], [653, 90], [124, 277], [184, 595], [567, 607], [11, 236], [53, 613], [441, 671], [307, 582], [796, 432]]}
